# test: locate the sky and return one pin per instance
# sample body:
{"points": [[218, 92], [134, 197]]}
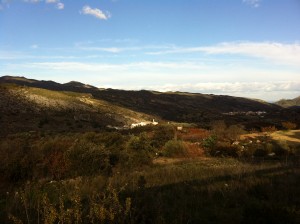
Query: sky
{"points": [[248, 48]]}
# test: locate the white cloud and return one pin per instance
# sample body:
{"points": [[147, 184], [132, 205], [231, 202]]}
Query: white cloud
{"points": [[60, 6], [269, 91], [276, 52], [87, 10], [232, 87], [253, 3]]}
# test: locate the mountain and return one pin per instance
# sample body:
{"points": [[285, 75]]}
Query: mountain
{"points": [[74, 105], [50, 85], [178, 106], [25, 108], [166, 105], [289, 103]]}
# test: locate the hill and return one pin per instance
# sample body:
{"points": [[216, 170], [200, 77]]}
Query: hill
{"points": [[25, 108], [289, 102], [123, 107], [163, 104], [50, 85]]}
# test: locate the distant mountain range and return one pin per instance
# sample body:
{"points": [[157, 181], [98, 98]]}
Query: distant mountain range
{"points": [[32, 101]]}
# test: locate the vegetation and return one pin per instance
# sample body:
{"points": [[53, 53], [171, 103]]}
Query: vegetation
{"points": [[62, 164]]}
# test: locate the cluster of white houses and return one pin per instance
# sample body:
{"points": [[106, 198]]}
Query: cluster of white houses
{"points": [[134, 125], [144, 123]]}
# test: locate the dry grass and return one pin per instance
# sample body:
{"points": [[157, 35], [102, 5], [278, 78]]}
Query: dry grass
{"points": [[292, 135]]}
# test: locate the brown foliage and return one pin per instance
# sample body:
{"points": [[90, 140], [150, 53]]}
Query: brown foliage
{"points": [[289, 125], [194, 135], [269, 129]]}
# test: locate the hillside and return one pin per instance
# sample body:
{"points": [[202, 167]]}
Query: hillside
{"points": [[26, 108], [183, 107], [174, 106], [289, 102]]}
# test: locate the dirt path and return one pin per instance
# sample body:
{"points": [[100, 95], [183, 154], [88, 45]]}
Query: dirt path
{"points": [[166, 160]]}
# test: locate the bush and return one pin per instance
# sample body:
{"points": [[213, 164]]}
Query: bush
{"points": [[234, 131], [55, 162], [225, 149], [139, 143], [138, 152], [289, 125], [19, 160], [87, 158], [161, 135], [174, 148], [65, 203], [210, 142], [269, 129]]}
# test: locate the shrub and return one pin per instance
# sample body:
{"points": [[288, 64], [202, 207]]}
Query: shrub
{"points": [[289, 125], [66, 204], [137, 152], [139, 143], [87, 158], [174, 148], [234, 131], [210, 142], [55, 162], [224, 149], [269, 129], [219, 128], [161, 135], [19, 160]]}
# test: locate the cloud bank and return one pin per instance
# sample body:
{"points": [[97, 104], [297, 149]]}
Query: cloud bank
{"points": [[277, 52]]}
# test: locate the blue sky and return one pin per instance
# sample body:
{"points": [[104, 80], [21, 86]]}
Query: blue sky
{"points": [[247, 48]]}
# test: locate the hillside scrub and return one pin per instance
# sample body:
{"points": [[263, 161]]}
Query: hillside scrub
{"points": [[109, 177], [213, 190]]}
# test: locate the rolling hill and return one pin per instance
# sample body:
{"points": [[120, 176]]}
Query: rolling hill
{"points": [[31, 104], [25, 108]]}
